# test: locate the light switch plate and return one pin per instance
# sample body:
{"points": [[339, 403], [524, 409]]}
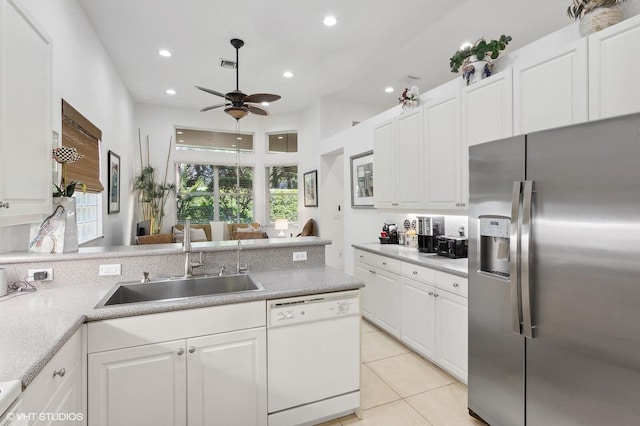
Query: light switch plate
{"points": [[299, 255], [112, 269]]}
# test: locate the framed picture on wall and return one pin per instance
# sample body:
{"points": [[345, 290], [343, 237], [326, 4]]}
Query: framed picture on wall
{"points": [[114, 183], [362, 180], [311, 189]]}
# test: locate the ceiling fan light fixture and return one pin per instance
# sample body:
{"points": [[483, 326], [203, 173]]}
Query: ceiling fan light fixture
{"points": [[237, 112], [164, 52], [264, 103], [287, 74]]}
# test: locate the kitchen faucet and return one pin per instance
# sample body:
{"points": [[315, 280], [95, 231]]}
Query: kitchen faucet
{"points": [[186, 248]]}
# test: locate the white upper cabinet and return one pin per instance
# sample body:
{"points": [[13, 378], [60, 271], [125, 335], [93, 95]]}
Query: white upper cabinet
{"points": [[487, 109], [25, 117], [551, 90], [445, 160], [383, 170], [397, 162], [613, 62]]}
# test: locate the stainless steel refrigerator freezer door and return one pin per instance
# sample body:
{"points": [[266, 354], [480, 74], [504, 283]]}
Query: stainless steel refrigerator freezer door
{"points": [[583, 363], [496, 354]]}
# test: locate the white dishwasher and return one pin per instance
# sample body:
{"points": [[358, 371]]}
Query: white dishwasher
{"points": [[313, 355]]}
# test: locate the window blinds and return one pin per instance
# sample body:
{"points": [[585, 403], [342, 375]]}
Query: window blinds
{"points": [[80, 133]]}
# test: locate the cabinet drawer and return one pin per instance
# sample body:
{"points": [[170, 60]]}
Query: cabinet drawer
{"points": [[452, 283], [381, 262], [61, 369], [364, 257], [418, 273]]}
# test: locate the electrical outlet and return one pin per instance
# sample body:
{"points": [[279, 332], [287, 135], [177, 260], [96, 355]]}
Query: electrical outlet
{"points": [[112, 269], [40, 274], [299, 255]]}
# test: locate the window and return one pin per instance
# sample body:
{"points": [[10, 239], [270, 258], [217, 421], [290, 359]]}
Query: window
{"points": [[87, 208], [207, 192], [283, 142], [282, 184], [80, 133], [194, 140]]}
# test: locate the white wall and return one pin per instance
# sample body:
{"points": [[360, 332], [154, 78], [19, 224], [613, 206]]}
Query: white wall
{"points": [[84, 76]]}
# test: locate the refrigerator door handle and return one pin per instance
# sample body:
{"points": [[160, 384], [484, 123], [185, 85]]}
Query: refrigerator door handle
{"points": [[525, 245], [514, 256]]}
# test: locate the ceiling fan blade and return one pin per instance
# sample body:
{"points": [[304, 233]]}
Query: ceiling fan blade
{"points": [[213, 92], [262, 97], [212, 107], [257, 110]]}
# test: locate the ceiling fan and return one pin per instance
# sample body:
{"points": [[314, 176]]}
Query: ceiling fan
{"points": [[237, 104]]}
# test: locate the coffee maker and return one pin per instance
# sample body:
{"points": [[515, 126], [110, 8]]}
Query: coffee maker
{"points": [[429, 228]]}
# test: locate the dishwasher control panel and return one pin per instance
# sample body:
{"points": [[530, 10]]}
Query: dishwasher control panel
{"points": [[297, 310]]}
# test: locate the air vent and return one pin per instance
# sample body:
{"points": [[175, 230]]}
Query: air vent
{"points": [[409, 79], [225, 63]]}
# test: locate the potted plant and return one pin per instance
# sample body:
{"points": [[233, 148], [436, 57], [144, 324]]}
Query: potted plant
{"points": [[152, 194], [595, 15], [473, 59]]}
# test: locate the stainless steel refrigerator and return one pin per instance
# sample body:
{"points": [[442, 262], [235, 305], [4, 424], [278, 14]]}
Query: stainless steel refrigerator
{"points": [[554, 277]]}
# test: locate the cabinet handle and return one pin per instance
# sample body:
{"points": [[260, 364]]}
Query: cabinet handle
{"points": [[395, 204], [180, 351], [384, 263], [435, 294], [415, 272], [430, 293], [60, 372], [3, 204], [456, 285], [361, 256], [373, 272], [192, 349]]}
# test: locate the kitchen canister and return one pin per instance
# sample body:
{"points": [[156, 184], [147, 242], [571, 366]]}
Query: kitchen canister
{"points": [[3, 282]]}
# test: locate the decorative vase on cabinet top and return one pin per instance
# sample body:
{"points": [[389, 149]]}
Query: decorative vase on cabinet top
{"points": [[599, 19]]}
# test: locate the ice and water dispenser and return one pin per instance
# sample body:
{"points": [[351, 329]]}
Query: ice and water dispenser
{"points": [[494, 245]]}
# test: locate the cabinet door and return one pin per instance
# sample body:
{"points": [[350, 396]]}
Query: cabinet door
{"points": [[451, 333], [383, 161], [409, 153], [25, 117], [551, 91], [487, 109], [142, 385], [227, 378], [613, 62], [387, 302], [418, 316], [365, 274], [443, 161]]}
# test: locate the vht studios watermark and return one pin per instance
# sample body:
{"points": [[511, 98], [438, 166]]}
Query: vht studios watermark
{"points": [[50, 417]]}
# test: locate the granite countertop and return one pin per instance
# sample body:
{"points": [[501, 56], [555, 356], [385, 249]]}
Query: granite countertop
{"points": [[412, 255], [35, 325]]}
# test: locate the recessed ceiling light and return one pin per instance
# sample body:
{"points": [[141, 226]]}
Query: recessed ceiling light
{"points": [[171, 92], [389, 89], [330, 21], [239, 138], [164, 52], [181, 141], [280, 137], [287, 74], [264, 103], [179, 132], [465, 45], [233, 146]]}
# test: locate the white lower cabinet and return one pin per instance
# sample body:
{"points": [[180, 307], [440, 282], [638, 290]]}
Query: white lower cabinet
{"points": [[418, 317], [426, 309], [387, 301], [55, 396], [144, 385], [217, 378], [451, 333]]}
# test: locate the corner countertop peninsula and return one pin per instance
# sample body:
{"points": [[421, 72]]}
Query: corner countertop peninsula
{"points": [[36, 325]]}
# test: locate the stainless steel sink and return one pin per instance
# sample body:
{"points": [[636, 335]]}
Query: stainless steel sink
{"points": [[178, 288]]}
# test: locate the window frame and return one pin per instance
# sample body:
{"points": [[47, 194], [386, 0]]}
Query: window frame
{"points": [[268, 192]]}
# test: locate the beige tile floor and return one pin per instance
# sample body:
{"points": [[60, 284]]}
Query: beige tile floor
{"points": [[399, 387]]}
